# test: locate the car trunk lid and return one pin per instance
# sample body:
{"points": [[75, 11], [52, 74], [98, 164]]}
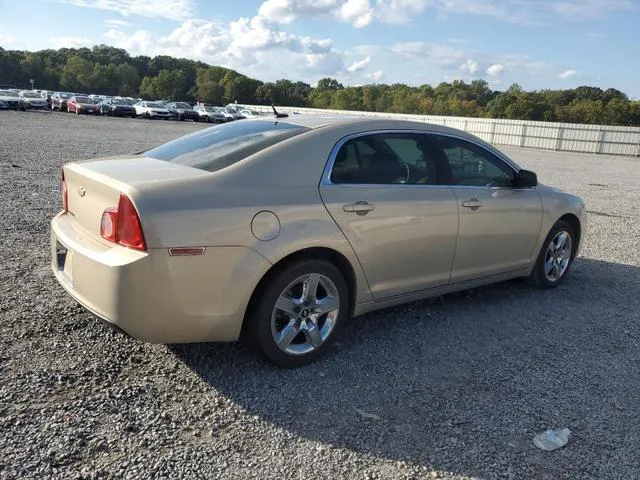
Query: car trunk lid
{"points": [[94, 186]]}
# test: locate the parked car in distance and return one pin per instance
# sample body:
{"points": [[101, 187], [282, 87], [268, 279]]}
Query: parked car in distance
{"points": [[7, 87], [46, 94], [234, 110], [246, 113], [127, 100], [116, 107], [383, 212], [225, 114], [13, 100], [82, 104], [182, 111], [33, 99], [151, 110], [59, 100], [212, 114]]}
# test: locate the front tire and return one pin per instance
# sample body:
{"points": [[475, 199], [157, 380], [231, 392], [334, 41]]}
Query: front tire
{"points": [[301, 310], [555, 258]]}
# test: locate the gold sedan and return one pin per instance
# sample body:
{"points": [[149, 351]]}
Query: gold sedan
{"points": [[281, 229]]}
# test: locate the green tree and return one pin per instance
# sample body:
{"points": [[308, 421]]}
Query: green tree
{"points": [[77, 74], [167, 85]]}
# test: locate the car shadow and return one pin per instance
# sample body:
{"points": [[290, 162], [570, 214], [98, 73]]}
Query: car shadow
{"points": [[461, 383]]}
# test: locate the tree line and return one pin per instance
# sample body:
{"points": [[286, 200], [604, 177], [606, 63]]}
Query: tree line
{"points": [[112, 71]]}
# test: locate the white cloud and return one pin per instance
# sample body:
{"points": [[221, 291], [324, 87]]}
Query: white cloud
{"points": [[444, 55], [169, 9], [138, 43], [590, 9], [359, 65], [470, 66], [399, 11], [375, 76], [69, 42], [117, 23], [495, 69], [357, 12], [6, 39], [567, 74], [255, 46]]}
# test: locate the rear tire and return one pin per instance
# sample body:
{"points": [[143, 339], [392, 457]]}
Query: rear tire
{"points": [[299, 313], [555, 258]]}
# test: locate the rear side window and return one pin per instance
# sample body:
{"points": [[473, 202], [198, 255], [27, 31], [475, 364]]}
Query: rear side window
{"points": [[218, 147]]}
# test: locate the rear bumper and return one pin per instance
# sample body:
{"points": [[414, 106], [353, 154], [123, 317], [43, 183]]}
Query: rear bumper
{"points": [[152, 296]]}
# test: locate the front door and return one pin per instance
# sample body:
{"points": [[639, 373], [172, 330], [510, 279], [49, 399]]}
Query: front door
{"points": [[499, 224], [382, 192]]}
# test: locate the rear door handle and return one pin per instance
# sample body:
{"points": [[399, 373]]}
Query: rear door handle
{"points": [[472, 203], [360, 207]]}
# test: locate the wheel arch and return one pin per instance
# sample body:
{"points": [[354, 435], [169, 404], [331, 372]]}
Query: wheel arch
{"points": [[317, 253], [574, 221]]}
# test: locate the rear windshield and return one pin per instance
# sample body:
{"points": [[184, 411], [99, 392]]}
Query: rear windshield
{"points": [[218, 147], [83, 100]]}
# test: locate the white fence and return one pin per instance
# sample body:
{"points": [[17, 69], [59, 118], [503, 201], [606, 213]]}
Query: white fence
{"points": [[568, 137]]}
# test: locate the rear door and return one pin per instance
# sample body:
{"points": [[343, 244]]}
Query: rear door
{"points": [[381, 189], [499, 224]]}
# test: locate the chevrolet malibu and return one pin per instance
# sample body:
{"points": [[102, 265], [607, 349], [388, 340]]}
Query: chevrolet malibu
{"points": [[278, 230]]}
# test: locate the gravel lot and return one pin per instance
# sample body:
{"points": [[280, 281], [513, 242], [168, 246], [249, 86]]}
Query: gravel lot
{"points": [[454, 387]]}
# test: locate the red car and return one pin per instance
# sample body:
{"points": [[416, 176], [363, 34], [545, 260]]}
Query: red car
{"points": [[79, 104]]}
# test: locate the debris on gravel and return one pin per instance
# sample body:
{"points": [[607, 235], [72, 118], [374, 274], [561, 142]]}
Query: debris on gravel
{"points": [[451, 388]]}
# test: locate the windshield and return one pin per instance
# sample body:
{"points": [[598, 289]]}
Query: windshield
{"points": [[30, 95], [7, 93], [65, 95], [83, 100], [117, 101], [210, 109], [218, 147], [154, 105], [185, 106]]}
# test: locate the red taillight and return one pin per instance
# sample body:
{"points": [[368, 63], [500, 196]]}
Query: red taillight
{"points": [[65, 194], [122, 225], [129, 228]]}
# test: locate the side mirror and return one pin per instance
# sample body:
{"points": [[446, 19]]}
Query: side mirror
{"points": [[526, 179]]}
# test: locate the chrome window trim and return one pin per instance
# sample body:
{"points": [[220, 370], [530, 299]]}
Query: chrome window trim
{"points": [[325, 180]]}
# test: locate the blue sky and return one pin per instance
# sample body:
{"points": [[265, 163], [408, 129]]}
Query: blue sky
{"points": [[536, 43]]}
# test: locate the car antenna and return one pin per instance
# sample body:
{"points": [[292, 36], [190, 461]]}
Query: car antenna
{"points": [[278, 115]]}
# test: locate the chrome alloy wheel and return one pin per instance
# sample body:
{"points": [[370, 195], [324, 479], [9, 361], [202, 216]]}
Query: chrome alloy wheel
{"points": [[305, 314], [558, 256]]}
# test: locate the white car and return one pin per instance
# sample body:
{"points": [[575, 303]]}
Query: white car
{"points": [[13, 99], [213, 114], [151, 110], [33, 99], [246, 113]]}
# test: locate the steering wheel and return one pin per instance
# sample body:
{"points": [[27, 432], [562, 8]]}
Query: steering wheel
{"points": [[407, 173]]}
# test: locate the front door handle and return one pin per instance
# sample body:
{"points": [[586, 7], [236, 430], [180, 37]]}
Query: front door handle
{"points": [[360, 207], [472, 203]]}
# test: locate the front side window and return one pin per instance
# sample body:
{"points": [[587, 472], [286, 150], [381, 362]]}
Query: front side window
{"points": [[215, 148], [472, 165], [385, 158]]}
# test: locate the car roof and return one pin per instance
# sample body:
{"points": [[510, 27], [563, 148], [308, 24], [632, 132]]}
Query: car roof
{"points": [[367, 122]]}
